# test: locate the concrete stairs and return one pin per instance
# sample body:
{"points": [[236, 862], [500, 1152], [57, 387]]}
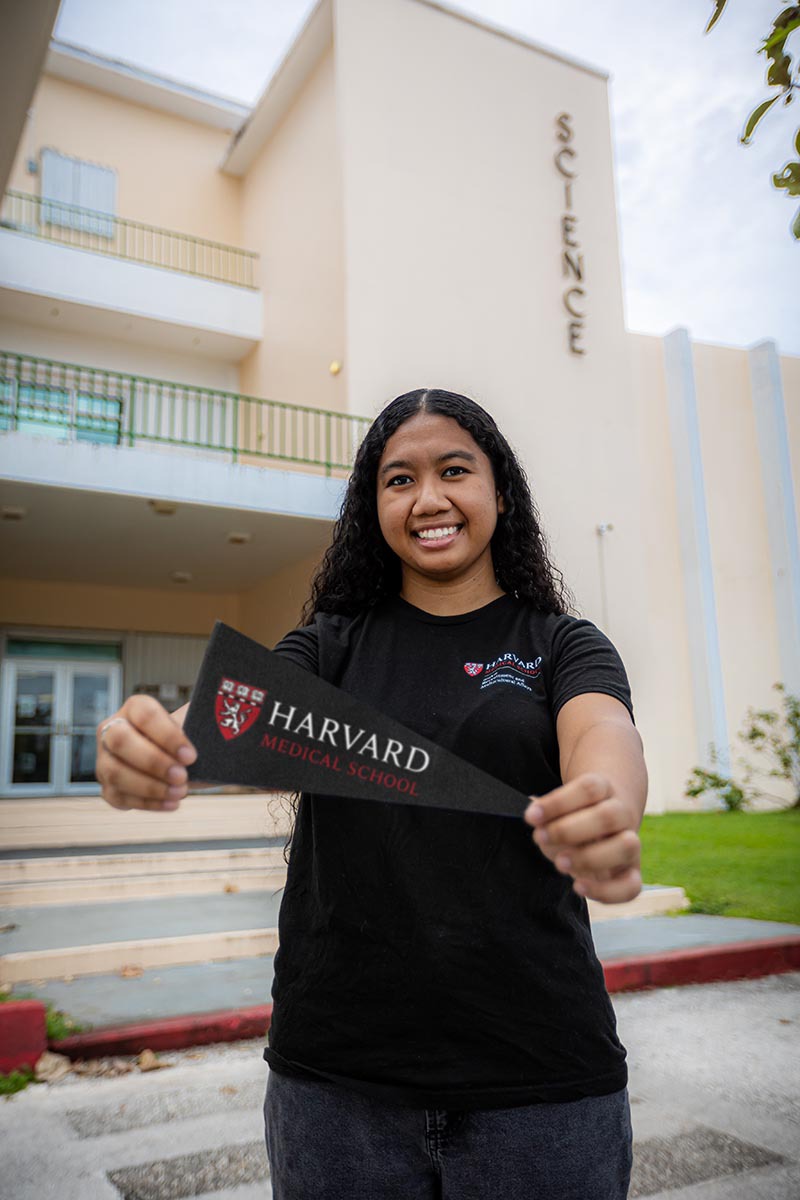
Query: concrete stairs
{"points": [[116, 910]]}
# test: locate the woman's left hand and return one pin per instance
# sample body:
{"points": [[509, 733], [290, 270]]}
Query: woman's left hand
{"points": [[590, 834]]}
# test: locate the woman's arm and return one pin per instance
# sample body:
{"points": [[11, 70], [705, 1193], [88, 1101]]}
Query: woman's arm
{"points": [[588, 827]]}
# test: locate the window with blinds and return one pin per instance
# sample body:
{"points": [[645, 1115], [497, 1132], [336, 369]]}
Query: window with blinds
{"points": [[78, 194]]}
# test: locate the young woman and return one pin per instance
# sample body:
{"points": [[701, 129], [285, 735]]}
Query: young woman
{"points": [[441, 1026]]}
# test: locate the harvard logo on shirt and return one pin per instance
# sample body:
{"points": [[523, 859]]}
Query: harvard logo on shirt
{"points": [[508, 668]]}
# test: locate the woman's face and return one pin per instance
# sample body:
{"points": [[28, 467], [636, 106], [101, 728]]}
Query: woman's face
{"points": [[437, 501]]}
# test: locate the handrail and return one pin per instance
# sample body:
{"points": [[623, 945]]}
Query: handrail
{"points": [[68, 400], [134, 241]]}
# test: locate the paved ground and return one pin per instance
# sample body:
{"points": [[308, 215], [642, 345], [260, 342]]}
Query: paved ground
{"points": [[714, 1084], [102, 1000]]}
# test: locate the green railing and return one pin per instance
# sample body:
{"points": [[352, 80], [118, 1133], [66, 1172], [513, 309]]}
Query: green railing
{"points": [[68, 401], [102, 233]]}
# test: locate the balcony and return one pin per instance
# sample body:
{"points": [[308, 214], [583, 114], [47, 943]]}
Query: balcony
{"points": [[121, 481], [69, 402], [100, 268]]}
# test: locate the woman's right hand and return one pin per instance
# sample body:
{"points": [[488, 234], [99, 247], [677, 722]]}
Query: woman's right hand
{"points": [[142, 756]]}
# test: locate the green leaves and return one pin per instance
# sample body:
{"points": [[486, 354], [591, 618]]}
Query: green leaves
{"points": [[755, 117], [789, 178], [779, 72], [779, 75], [719, 8]]}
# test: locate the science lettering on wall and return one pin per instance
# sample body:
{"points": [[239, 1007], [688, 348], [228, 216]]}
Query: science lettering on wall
{"points": [[572, 265], [258, 719]]}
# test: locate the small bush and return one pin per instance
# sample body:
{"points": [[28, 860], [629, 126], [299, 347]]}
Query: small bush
{"points": [[773, 735]]}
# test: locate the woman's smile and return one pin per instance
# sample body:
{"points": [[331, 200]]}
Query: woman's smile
{"points": [[436, 537]]}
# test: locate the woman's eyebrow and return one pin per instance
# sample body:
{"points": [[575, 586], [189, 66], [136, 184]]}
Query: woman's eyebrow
{"points": [[401, 462]]}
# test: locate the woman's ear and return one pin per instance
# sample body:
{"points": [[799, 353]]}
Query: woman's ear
{"points": [[501, 504]]}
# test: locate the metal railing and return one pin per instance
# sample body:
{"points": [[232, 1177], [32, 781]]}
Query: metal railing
{"points": [[69, 401], [117, 237]]}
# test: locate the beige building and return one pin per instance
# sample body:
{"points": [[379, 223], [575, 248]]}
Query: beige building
{"points": [[202, 306]]}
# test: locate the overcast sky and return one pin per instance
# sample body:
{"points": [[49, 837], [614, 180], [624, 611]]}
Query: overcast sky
{"points": [[705, 236]]}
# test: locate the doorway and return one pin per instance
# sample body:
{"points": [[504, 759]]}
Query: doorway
{"points": [[49, 710]]}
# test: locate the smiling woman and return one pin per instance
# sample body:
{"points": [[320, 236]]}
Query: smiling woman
{"points": [[437, 995]]}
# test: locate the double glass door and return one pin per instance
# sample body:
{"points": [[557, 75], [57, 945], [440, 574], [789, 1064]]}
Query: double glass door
{"points": [[49, 711]]}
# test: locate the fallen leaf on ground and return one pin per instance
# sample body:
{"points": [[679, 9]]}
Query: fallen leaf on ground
{"points": [[51, 1067], [147, 1061], [7, 928], [131, 971], [227, 1090], [94, 1066], [231, 887]]}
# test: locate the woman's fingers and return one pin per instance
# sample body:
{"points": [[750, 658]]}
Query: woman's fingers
{"points": [[142, 755], [145, 714], [599, 859], [625, 886], [600, 820], [123, 743], [125, 779]]}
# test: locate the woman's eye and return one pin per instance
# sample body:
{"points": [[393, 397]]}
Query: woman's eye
{"points": [[459, 470], [397, 479]]}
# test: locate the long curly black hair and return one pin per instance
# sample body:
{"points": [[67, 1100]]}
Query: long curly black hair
{"points": [[358, 568]]}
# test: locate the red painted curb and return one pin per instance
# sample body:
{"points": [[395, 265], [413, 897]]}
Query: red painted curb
{"points": [[171, 1033], [702, 964], [23, 1039]]}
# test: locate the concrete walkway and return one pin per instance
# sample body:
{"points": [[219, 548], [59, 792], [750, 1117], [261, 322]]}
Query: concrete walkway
{"points": [[113, 999], [165, 968]]}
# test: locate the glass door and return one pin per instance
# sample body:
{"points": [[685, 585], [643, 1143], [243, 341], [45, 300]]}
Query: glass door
{"points": [[92, 695], [30, 728], [48, 715]]}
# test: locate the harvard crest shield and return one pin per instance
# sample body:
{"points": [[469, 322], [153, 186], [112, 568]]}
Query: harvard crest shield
{"points": [[473, 668], [237, 707]]}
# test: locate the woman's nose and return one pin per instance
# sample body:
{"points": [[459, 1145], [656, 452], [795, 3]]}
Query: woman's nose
{"points": [[431, 497]]}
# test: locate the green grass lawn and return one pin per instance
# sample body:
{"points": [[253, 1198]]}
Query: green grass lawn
{"points": [[732, 864]]}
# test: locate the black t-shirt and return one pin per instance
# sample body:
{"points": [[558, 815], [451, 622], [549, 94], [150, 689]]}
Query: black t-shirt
{"points": [[435, 958]]}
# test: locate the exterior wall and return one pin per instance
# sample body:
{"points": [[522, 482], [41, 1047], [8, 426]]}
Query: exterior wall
{"points": [[744, 600], [271, 609], [291, 216], [84, 349], [663, 687], [265, 612], [167, 167], [790, 375], [58, 605], [738, 530]]}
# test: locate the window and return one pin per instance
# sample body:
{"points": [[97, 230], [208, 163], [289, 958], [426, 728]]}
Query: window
{"points": [[70, 183], [54, 412]]}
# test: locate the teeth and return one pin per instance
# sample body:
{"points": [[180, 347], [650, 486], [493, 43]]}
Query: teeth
{"points": [[430, 535]]}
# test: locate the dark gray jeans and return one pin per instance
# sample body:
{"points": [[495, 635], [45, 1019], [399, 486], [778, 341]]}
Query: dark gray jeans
{"points": [[327, 1143]]}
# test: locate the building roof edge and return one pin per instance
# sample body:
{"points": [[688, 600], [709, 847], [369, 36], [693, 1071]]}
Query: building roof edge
{"points": [[115, 77], [302, 55], [512, 36]]}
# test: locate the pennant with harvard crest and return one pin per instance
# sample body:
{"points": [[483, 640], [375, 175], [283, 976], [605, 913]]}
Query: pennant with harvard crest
{"points": [[259, 720]]}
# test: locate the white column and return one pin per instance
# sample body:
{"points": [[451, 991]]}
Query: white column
{"points": [[776, 473], [711, 725]]}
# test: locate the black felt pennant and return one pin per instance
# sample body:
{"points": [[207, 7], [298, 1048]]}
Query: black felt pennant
{"points": [[258, 719]]}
